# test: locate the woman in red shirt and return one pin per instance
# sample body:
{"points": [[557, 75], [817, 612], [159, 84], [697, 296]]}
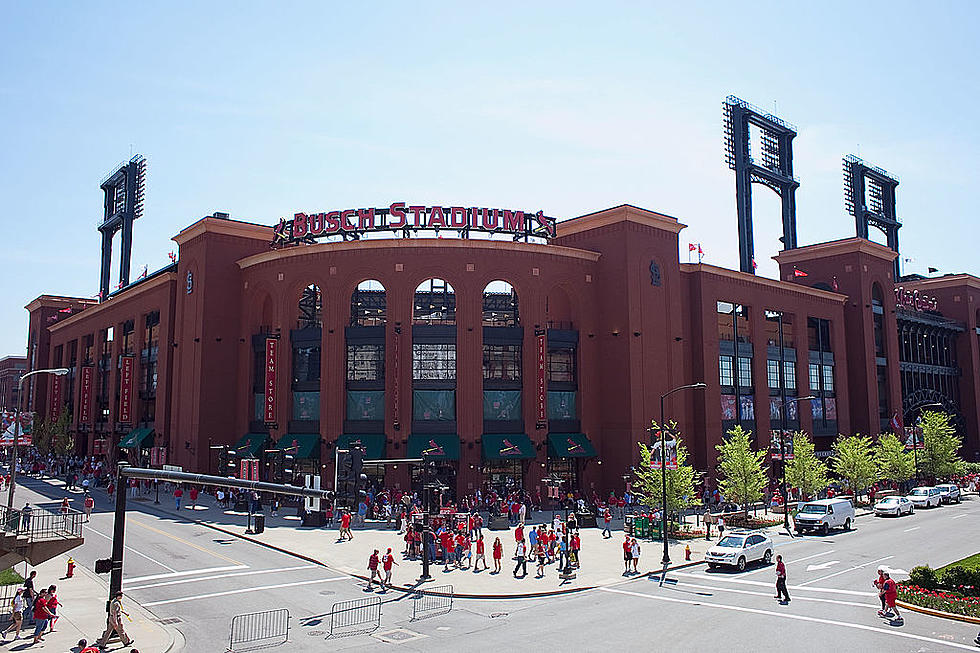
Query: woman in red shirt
{"points": [[498, 553], [479, 556]]}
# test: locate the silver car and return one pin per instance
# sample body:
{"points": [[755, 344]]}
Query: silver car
{"points": [[950, 492], [738, 549], [894, 506]]}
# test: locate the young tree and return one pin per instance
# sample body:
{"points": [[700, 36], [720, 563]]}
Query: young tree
{"points": [[63, 442], [939, 457], [893, 461], [853, 462], [805, 471], [680, 482], [742, 474]]}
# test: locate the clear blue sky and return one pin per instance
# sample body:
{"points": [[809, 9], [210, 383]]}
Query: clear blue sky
{"points": [[264, 109]]}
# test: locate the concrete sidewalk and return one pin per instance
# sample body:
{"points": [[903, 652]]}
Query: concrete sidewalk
{"points": [[601, 558], [82, 614]]}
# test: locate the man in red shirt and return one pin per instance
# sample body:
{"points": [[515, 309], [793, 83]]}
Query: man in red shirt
{"points": [[178, 494], [193, 497], [387, 560], [41, 615], [372, 566], [345, 532], [781, 592], [891, 596], [480, 555], [627, 554], [606, 518]]}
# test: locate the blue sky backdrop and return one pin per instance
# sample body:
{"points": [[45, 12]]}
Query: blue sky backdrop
{"points": [[264, 109]]}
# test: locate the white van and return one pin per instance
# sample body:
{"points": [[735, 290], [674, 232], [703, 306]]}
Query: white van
{"points": [[823, 515]]}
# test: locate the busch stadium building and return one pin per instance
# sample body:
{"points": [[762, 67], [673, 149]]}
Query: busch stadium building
{"points": [[510, 348]]}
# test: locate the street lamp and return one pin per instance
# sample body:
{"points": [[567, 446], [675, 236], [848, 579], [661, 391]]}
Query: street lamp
{"points": [[663, 471], [60, 371], [782, 450]]}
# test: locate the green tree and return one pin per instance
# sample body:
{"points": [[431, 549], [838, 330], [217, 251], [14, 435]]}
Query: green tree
{"points": [[893, 461], [854, 463], [805, 471], [742, 473], [939, 457], [63, 442], [680, 482], [43, 435]]}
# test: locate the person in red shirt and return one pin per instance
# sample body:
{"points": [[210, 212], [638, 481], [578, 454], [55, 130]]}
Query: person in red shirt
{"points": [[518, 533], [372, 566], [627, 554], [193, 497], [891, 596], [345, 532], [446, 544], [387, 560], [880, 586], [498, 553], [781, 594], [576, 545], [606, 518], [479, 555], [41, 615], [89, 506], [178, 495]]}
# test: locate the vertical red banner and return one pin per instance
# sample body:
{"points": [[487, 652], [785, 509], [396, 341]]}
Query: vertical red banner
{"points": [[154, 456], [127, 369], [271, 374], [396, 377], [56, 395], [85, 395], [542, 379]]}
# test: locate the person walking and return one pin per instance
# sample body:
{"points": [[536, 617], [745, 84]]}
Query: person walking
{"points": [[53, 607], [83, 647], [387, 561], [345, 532], [115, 624], [606, 518], [178, 495], [498, 553], [89, 505], [480, 555], [29, 595], [372, 566], [16, 614], [879, 584], [539, 552], [891, 596], [25, 517], [41, 615], [781, 594], [635, 554], [192, 495], [521, 559]]}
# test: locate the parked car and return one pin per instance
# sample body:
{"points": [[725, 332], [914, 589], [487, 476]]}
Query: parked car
{"points": [[895, 506], [737, 549], [949, 492], [926, 497], [824, 514]]}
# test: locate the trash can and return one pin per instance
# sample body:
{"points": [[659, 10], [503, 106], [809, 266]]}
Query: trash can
{"points": [[259, 526], [628, 525]]}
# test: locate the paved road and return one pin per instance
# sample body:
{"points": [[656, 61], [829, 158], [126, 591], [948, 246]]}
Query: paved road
{"points": [[181, 570]]}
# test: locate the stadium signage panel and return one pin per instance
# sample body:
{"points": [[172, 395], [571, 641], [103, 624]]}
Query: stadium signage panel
{"points": [[408, 219], [913, 300]]}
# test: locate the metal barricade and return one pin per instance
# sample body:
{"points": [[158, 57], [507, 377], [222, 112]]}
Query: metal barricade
{"points": [[259, 630], [432, 602], [357, 617]]}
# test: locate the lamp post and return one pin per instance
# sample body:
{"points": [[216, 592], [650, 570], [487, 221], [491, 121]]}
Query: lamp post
{"points": [[663, 472], [59, 371], [782, 449]]}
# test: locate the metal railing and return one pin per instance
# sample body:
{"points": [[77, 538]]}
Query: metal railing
{"points": [[40, 524], [259, 630], [357, 617], [432, 602], [7, 593]]}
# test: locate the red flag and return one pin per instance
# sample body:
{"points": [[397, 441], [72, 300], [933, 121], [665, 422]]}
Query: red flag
{"points": [[65, 310], [755, 266], [799, 273], [700, 251], [173, 257], [691, 247], [896, 422]]}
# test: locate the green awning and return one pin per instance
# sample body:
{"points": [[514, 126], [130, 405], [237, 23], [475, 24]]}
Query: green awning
{"points": [[372, 443], [251, 445], [436, 447], [507, 446], [300, 445], [137, 439], [570, 445]]}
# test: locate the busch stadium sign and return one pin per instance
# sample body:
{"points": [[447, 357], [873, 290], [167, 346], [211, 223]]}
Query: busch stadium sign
{"points": [[406, 221]]}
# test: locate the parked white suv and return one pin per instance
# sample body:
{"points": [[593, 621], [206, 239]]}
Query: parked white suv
{"points": [[949, 492], [823, 515], [738, 548], [926, 497]]}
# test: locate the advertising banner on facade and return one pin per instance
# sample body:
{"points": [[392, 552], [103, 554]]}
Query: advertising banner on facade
{"points": [[541, 380], [271, 375], [56, 397], [396, 380], [127, 370], [158, 456], [913, 438], [657, 451], [248, 469], [86, 381], [8, 420], [781, 445]]}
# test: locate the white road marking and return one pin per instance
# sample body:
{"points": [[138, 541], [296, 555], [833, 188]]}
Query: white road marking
{"points": [[788, 562], [761, 584], [798, 598], [815, 555], [242, 591], [215, 577], [914, 528], [189, 572], [824, 565], [798, 617], [817, 580], [132, 550], [959, 516]]}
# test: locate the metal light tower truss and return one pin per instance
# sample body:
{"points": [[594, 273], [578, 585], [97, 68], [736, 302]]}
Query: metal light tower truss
{"points": [[869, 195], [772, 168], [125, 191]]}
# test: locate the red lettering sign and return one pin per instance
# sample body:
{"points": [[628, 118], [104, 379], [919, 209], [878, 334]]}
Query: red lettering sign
{"points": [[127, 370], [271, 369], [913, 300], [85, 395], [542, 384], [396, 374], [248, 469], [56, 399]]}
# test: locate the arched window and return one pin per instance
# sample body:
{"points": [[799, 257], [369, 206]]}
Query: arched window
{"points": [[500, 305], [368, 304], [310, 308], [435, 303]]}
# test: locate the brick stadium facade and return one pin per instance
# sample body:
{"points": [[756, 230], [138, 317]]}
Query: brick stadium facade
{"points": [[520, 360]]}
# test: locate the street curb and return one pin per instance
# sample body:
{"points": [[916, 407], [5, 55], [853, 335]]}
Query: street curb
{"points": [[411, 589], [938, 613]]}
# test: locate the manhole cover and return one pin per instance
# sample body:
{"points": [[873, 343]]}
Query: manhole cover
{"points": [[170, 620], [398, 635], [494, 615], [317, 633], [326, 592]]}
